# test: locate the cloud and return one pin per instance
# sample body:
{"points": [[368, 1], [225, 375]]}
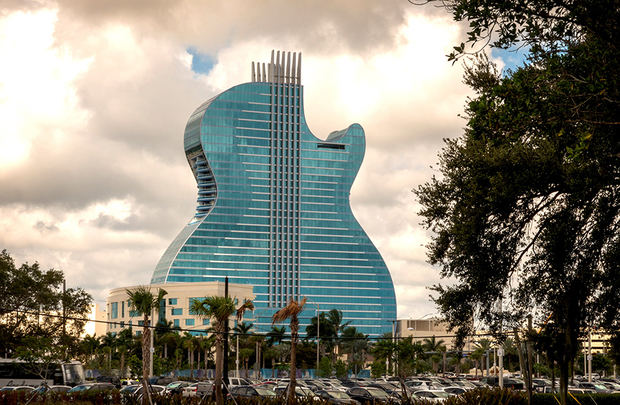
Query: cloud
{"points": [[94, 97]]}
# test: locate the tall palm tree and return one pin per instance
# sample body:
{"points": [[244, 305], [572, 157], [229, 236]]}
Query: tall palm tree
{"points": [[435, 347], [335, 319], [291, 311], [243, 329], [144, 302], [220, 309]]}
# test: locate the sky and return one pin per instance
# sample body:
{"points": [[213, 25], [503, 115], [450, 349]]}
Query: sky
{"points": [[94, 97]]}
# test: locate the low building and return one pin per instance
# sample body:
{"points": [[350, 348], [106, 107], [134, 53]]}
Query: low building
{"points": [[420, 329], [175, 307]]}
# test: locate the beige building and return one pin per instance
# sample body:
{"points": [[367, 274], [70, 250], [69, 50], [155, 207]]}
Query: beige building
{"points": [[421, 329], [175, 306], [96, 326]]}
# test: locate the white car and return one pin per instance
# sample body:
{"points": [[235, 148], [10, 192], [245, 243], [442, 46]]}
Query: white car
{"points": [[432, 395]]}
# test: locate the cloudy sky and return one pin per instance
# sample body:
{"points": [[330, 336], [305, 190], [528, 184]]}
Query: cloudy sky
{"points": [[94, 96]]}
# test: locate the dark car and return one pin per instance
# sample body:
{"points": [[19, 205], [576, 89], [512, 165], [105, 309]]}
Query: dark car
{"points": [[336, 397], [248, 391], [92, 387], [508, 382], [369, 395]]}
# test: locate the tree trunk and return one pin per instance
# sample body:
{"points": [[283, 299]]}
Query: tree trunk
{"points": [[146, 360], [219, 367], [290, 397]]}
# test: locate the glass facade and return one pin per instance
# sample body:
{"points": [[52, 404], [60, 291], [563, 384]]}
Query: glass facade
{"points": [[273, 209]]}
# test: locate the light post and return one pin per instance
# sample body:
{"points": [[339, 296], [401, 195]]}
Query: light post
{"points": [[237, 357], [393, 347], [318, 337], [152, 347], [590, 355]]}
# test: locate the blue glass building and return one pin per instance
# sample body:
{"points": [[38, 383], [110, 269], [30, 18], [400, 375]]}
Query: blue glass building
{"points": [[273, 206]]}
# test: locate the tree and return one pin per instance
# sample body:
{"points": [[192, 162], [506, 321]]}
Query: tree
{"points": [[243, 329], [219, 309], [33, 305], [144, 302], [355, 345], [291, 311], [527, 206], [434, 347]]}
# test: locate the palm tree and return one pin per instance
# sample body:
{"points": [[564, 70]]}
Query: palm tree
{"points": [[124, 340], [481, 350], [144, 302], [243, 328], [291, 311], [89, 346], [335, 319], [108, 343], [434, 346], [220, 309]]}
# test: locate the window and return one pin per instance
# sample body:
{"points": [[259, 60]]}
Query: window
{"points": [[140, 323], [205, 321], [172, 301], [122, 309], [114, 311], [177, 311], [176, 322], [189, 322]]}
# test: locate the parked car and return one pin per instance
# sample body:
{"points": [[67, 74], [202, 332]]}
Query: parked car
{"points": [[432, 395], [199, 389], [17, 388], [176, 387], [368, 395], [300, 392], [336, 397], [597, 387], [92, 387], [248, 391]]}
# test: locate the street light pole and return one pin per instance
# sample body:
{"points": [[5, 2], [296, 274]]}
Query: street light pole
{"points": [[318, 337], [393, 346], [151, 348], [590, 355]]}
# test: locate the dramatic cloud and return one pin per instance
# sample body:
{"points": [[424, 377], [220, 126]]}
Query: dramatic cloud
{"points": [[94, 97]]}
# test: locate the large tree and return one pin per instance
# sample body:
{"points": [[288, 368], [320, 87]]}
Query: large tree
{"points": [[219, 309], [145, 302], [526, 204], [36, 309]]}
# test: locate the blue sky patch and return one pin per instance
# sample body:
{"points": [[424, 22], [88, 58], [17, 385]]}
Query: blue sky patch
{"points": [[513, 58], [201, 63]]}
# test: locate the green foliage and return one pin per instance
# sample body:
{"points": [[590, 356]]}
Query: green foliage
{"points": [[325, 367], [528, 205], [377, 368], [26, 290], [341, 369]]}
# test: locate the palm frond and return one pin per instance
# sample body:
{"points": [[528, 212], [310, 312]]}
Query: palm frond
{"points": [[246, 306], [292, 309]]}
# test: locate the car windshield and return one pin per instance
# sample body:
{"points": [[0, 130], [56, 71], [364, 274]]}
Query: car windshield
{"points": [[265, 392], [377, 393], [600, 387], [129, 388], [339, 394]]}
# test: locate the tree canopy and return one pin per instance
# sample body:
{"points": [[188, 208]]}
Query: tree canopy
{"points": [[526, 206], [27, 290]]}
